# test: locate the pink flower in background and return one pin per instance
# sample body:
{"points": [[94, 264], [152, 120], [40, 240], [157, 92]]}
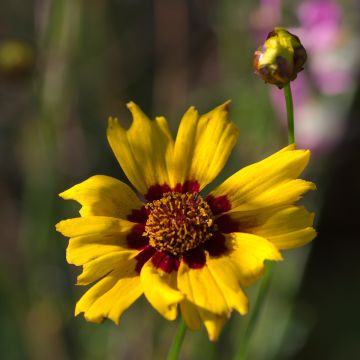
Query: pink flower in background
{"points": [[266, 17], [321, 21], [319, 123], [322, 32]]}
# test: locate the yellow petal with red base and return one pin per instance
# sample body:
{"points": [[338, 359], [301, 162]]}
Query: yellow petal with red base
{"points": [[268, 183], [201, 288], [203, 145], [286, 227], [160, 290], [144, 150]]}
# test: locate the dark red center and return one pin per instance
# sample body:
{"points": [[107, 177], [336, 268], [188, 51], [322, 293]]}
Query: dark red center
{"points": [[178, 225]]}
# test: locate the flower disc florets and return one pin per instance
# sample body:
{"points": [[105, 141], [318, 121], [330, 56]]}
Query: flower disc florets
{"points": [[178, 222]]}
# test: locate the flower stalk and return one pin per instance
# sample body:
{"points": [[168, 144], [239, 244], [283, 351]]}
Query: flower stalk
{"points": [[177, 342], [263, 290], [290, 113], [265, 283]]}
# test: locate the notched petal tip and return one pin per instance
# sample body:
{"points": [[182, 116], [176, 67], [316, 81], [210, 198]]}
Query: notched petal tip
{"points": [[135, 110], [311, 186], [77, 311], [67, 194], [226, 105], [96, 320], [191, 112], [245, 307], [63, 195], [314, 233], [59, 227], [112, 122], [293, 147], [130, 105], [80, 281]]}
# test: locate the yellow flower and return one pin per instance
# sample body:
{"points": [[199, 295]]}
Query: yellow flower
{"points": [[172, 243]]}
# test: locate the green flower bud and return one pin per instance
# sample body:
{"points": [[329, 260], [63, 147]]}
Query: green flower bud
{"points": [[16, 58], [280, 58]]}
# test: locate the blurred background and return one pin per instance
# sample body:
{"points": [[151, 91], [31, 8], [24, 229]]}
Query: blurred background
{"points": [[66, 65]]}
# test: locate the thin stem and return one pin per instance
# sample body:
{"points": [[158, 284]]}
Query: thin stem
{"points": [[265, 283], [177, 342], [263, 290], [290, 113]]}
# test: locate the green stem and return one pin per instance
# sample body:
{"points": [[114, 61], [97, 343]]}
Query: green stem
{"points": [[177, 342], [290, 113], [263, 290], [265, 283]]}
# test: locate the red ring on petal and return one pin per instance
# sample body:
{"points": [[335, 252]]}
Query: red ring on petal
{"points": [[143, 257], [216, 245], [165, 262], [138, 215], [156, 192], [218, 204], [195, 258], [191, 186], [135, 238], [226, 224]]}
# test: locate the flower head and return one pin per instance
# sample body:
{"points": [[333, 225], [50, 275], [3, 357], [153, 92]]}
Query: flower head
{"points": [[174, 244], [281, 57]]}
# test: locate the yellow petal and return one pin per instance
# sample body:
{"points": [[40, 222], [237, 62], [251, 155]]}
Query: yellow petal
{"points": [[190, 315], [287, 227], [294, 239], [225, 274], [113, 294], [213, 323], [248, 253], [283, 194], [103, 265], [200, 288], [203, 145], [93, 225], [82, 249], [104, 196], [143, 150], [160, 290], [270, 182]]}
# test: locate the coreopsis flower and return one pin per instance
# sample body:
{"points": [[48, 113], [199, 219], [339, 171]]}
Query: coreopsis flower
{"points": [[280, 58], [177, 246]]}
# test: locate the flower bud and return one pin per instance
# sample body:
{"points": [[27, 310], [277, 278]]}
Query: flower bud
{"points": [[280, 58], [16, 58]]}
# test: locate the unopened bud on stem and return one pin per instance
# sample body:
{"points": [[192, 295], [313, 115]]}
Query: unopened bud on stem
{"points": [[280, 58]]}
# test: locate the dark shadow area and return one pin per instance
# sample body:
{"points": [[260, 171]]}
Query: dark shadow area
{"points": [[331, 283]]}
